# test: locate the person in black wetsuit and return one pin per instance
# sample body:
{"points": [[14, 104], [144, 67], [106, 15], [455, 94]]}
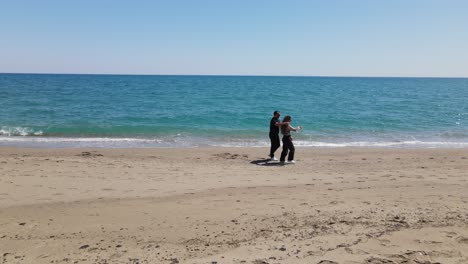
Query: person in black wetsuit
{"points": [[274, 134]]}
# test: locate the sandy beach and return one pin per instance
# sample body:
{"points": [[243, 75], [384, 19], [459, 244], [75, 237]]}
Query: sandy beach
{"points": [[227, 205]]}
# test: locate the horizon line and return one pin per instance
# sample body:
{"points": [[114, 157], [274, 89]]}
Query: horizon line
{"points": [[236, 75]]}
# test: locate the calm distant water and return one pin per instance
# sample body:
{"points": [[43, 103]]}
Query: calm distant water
{"points": [[42, 110]]}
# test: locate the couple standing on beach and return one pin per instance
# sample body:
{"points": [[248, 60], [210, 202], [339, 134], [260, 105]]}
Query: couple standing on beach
{"points": [[286, 129]]}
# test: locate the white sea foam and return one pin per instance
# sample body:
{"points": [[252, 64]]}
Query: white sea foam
{"points": [[19, 131], [184, 142], [402, 144], [76, 142]]}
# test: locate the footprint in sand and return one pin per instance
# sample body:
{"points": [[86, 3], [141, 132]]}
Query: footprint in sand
{"points": [[462, 240], [228, 155], [90, 154], [451, 234], [375, 260]]}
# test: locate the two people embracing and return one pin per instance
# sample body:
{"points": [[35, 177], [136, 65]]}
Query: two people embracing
{"points": [[286, 128]]}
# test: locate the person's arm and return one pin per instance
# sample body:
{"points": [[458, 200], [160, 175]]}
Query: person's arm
{"points": [[294, 128], [280, 123]]}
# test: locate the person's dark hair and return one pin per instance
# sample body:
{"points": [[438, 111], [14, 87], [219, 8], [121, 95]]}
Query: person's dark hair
{"points": [[276, 112], [284, 126]]}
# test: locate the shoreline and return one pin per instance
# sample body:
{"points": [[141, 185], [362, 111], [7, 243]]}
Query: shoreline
{"points": [[228, 205], [147, 143]]}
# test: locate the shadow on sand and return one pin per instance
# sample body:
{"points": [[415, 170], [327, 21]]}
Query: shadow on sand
{"points": [[266, 162]]}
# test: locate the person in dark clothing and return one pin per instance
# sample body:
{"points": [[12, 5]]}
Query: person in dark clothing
{"points": [[274, 134], [288, 145]]}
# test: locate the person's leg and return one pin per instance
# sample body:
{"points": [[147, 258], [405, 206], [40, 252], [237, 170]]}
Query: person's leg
{"points": [[289, 145], [292, 149], [273, 145], [285, 149], [276, 145]]}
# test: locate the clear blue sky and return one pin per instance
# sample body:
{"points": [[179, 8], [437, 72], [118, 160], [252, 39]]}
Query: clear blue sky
{"points": [[318, 38]]}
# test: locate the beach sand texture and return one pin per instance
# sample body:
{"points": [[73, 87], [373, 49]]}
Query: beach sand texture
{"points": [[227, 205]]}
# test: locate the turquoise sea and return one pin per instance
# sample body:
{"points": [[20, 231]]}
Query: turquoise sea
{"points": [[48, 110]]}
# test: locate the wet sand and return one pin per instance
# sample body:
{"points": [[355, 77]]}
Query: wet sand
{"points": [[228, 205]]}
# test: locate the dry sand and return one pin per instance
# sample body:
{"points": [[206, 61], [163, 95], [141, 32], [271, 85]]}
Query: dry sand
{"points": [[226, 205]]}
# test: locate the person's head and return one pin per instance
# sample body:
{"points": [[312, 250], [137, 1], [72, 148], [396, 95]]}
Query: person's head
{"points": [[287, 119], [276, 114]]}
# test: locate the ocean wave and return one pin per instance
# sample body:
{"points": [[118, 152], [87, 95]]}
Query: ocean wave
{"points": [[97, 142], [386, 144], [189, 142], [454, 135], [19, 131], [377, 144]]}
